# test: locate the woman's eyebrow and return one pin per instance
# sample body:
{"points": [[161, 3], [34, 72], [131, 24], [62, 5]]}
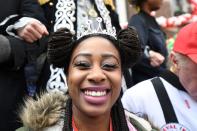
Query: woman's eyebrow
{"points": [[107, 55], [82, 54]]}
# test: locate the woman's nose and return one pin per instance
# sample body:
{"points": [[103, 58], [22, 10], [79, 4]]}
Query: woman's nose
{"points": [[96, 75]]}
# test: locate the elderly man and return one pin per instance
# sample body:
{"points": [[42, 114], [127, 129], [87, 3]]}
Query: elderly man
{"points": [[170, 101]]}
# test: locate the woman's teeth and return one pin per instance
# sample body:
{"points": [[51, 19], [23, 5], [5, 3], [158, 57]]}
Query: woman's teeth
{"points": [[95, 93]]}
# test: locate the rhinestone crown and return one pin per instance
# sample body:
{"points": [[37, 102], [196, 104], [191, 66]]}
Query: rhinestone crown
{"points": [[88, 29]]}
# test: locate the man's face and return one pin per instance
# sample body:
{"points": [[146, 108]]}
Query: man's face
{"points": [[155, 4], [188, 77]]}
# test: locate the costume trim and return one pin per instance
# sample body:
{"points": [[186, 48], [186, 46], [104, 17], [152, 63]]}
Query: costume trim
{"points": [[57, 81], [65, 15]]}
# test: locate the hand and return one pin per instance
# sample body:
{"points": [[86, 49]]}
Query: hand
{"points": [[32, 31], [156, 59]]}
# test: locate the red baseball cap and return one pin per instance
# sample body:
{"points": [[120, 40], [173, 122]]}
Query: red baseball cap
{"points": [[186, 41]]}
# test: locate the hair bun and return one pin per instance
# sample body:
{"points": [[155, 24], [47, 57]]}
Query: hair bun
{"points": [[59, 47], [130, 46]]}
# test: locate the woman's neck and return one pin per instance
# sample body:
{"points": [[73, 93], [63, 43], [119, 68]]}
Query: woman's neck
{"points": [[89, 123]]}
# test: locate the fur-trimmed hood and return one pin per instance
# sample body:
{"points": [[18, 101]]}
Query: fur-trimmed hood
{"points": [[46, 111]]}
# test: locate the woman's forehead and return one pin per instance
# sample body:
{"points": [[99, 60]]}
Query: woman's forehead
{"points": [[96, 43]]}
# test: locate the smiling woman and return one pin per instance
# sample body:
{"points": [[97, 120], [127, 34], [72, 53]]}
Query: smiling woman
{"points": [[95, 76], [93, 62]]}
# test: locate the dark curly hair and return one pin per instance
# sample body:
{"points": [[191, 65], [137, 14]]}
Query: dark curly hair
{"points": [[62, 43], [59, 47]]}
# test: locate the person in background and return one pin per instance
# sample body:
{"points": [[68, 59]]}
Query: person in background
{"points": [[170, 101], [153, 60], [21, 26], [89, 10], [93, 60]]}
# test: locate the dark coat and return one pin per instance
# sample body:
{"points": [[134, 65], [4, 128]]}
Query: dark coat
{"points": [[151, 35], [12, 79]]}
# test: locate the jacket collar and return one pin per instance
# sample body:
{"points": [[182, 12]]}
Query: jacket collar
{"points": [[172, 79]]}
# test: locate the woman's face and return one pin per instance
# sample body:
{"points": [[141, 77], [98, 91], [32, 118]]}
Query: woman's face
{"points": [[94, 76]]}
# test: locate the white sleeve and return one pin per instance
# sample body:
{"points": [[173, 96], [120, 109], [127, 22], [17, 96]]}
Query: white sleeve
{"points": [[142, 100], [135, 99], [20, 23], [130, 100]]}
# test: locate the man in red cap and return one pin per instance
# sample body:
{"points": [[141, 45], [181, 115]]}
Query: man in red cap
{"points": [[170, 101]]}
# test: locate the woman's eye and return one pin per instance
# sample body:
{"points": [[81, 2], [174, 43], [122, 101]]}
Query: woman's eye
{"points": [[109, 66], [82, 65]]}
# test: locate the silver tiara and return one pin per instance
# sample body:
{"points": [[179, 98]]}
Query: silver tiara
{"points": [[88, 29]]}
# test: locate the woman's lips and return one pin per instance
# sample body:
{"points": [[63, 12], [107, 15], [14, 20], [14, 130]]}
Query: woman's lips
{"points": [[96, 95]]}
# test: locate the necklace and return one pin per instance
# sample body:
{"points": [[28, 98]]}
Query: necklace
{"points": [[75, 128]]}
